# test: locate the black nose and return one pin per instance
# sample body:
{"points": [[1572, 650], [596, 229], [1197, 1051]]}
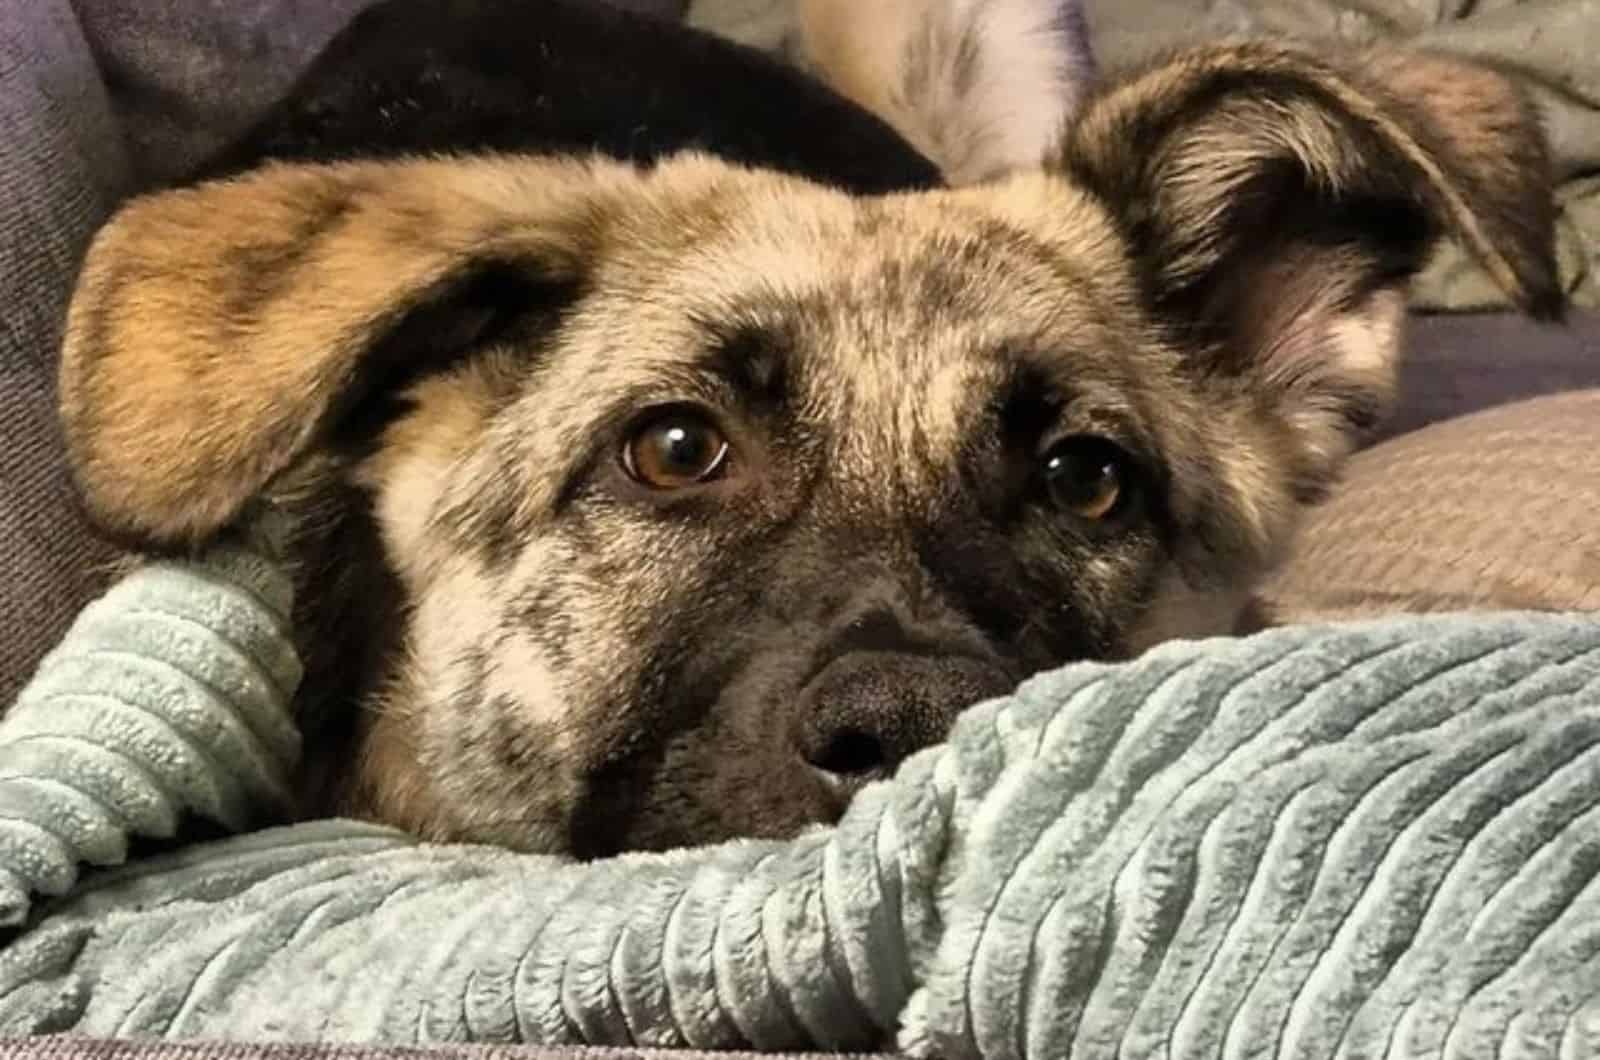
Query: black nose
{"points": [[869, 710]]}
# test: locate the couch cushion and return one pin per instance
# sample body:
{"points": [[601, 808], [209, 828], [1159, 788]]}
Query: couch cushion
{"points": [[62, 168], [1461, 363]]}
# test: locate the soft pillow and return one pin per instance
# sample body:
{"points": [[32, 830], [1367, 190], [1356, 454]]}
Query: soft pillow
{"points": [[1498, 509]]}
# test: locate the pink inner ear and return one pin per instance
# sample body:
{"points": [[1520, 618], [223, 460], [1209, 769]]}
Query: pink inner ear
{"points": [[1310, 334]]}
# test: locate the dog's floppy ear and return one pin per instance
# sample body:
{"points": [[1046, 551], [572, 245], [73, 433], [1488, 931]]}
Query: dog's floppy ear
{"points": [[1277, 205], [981, 87], [219, 332]]}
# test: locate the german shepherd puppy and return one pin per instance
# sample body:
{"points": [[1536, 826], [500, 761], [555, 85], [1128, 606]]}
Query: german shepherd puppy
{"points": [[642, 503]]}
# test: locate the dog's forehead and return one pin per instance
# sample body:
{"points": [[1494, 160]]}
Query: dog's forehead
{"points": [[1030, 243], [901, 306]]}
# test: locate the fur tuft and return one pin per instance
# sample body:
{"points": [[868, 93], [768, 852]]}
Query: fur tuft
{"points": [[982, 87]]}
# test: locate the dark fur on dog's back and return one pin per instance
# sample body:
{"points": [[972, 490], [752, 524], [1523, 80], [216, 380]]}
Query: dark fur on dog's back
{"points": [[440, 367], [566, 76]]}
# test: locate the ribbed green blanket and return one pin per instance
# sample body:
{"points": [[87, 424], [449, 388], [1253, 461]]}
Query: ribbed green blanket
{"points": [[1377, 840]]}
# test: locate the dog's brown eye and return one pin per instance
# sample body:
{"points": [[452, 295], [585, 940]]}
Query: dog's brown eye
{"points": [[1087, 476], [675, 451]]}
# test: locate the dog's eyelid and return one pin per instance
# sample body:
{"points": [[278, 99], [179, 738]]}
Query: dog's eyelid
{"points": [[1094, 422], [751, 361], [674, 386], [1029, 405]]}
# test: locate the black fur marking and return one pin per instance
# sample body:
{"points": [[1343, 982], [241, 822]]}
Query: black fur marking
{"points": [[754, 363], [349, 618], [614, 796], [468, 696], [492, 523], [541, 612], [523, 750], [488, 302], [412, 77], [1027, 406]]}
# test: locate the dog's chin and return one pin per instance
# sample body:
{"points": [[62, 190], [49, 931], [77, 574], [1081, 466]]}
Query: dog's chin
{"points": [[840, 790], [766, 806], [737, 775]]}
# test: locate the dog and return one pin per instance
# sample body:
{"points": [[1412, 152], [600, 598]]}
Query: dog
{"points": [[638, 505]]}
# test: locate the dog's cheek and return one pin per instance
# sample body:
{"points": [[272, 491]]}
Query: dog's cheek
{"points": [[688, 739], [1180, 611], [1231, 518], [434, 459], [478, 727], [715, 783], [529, 669], [583, 672]]}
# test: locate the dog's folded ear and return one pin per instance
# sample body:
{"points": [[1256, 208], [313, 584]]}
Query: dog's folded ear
{"points": [[1277, 205], [982, 87], [219, 332]]}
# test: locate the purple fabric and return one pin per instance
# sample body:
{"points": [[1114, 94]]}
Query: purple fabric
{"points": [[1458, 364], [188, 74], [62, 167]]}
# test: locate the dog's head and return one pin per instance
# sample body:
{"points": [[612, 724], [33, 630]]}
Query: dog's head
{"points": [[710, 493]]}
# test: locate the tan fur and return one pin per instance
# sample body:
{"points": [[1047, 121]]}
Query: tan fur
{"points": [[1181, 611], [387, 785], [200, 440], [1210, 272], [418, 454]]}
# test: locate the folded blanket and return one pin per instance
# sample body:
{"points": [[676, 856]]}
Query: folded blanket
{"points": [[170, 696], [1374, 840]]}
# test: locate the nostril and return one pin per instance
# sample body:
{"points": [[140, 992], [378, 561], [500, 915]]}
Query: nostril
{"points": [[868, 711], [850, 752]]}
